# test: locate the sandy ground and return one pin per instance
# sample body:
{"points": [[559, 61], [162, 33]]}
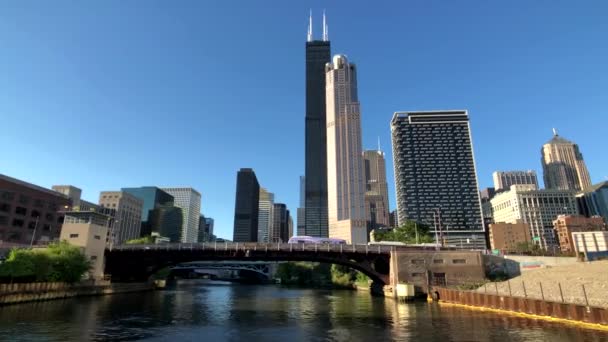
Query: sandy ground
{"points": [[592, 275]]}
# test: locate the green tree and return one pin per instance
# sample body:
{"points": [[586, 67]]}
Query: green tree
{"points": [[69, 264], [410, 233], [18, 266], [144, 240]]}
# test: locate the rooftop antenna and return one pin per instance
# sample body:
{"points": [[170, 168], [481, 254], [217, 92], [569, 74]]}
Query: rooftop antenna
{"points": [[325, 29], [379, 144], [309, 35], [555, 132]]}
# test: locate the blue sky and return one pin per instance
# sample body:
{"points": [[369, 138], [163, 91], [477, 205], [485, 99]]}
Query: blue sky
{"points": [[112, 94]]}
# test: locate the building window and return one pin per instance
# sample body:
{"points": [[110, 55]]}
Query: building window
{"points": [[459, 261], [3, 220], [417, 261], [32, 225], [417, 275], [72, 236], [35, 213], [9, 196], [97, 237], [437, 261], [5, 207], [60, 219], [46, 227], [39, 203], [24, 199], [49, 217], [20, 211], [18, 223]]}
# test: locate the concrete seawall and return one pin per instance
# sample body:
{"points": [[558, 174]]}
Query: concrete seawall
{"points": [[22, 293], [589, 316]]}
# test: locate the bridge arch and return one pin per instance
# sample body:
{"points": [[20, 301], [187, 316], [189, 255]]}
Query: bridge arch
{"points": [[134, 263]]}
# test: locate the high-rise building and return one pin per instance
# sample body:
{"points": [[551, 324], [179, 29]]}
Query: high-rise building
{"points": [[504, 179], [280, 227], [376, 190], [301, 210], [153, 198], [565, 225], [166, 222], [190, 201], [435, 176], [317, 54], [392, 219], [537, 208], [209, 224], [289, 226], [246, 208], [593, 201], [29, 214], [345, 185], [265, 218], [563, 165], [128, 215]]}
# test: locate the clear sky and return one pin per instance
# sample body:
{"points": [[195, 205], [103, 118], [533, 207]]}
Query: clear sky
{"points": [[112, 94]]}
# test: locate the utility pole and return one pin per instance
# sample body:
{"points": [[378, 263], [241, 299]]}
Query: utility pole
{"points": [[416, 229], [34, 234]]}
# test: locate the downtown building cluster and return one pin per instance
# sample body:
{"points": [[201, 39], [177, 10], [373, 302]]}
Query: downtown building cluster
{"points": [[32, 215], [519, 215]]}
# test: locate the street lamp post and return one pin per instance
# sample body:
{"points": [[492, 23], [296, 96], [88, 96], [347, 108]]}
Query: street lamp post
{"points": [[34, 234]]}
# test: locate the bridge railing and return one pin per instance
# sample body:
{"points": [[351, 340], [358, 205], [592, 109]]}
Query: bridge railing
{"points": [[252, 246]]}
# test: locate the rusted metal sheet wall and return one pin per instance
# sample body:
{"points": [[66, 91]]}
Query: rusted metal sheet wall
{"points": [[573, 312]]}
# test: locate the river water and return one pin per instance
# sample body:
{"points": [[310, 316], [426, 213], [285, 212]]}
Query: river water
{"points": [[207, 311]]}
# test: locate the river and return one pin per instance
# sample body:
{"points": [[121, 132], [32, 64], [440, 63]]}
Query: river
{"points": [[207, 311]]}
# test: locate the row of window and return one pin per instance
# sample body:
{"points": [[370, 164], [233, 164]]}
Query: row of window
{"points": [[25, 200], [437, 261], [19, 223]]}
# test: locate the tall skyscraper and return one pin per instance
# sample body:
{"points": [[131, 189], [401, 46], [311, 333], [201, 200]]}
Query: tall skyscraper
{"points": [[152, 198], [265, 219], [345, 186], [376, 190], [246, 208], [190, 201], [128, 215], [504, 179], [317, 54], [435, 176], [280, 227], [301, 210], [563, 165], [593, 200]]}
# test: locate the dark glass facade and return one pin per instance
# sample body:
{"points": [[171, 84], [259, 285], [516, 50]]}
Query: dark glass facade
{"points": [[158, 203], [435, 177], [246, 207], [280, 226], [167, 222], [315, 222]]}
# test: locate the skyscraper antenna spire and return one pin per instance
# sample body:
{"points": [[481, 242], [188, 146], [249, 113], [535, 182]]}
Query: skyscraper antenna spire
{"points": [[555, 132], [309, 35], [379, 144], [325, 29]]}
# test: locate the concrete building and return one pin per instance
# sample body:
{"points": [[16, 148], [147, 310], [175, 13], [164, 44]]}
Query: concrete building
{"points": [[435, 175], [29, 214], [345, 182], [317, 54], [537, 208], [190, 201], [593, 201], [593, 245], [504, 179], [265, 215], [507, 236], [128, 215], [563, 165], [71, 192], [376, 190], [301, 210], [246, 207], [280, 227], [88, 230], [565, 225]]}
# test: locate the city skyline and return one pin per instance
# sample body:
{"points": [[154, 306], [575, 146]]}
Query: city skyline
{"points": [[125, 114]]}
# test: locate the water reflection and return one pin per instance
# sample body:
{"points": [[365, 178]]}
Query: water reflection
{"points": [[195, 311]]}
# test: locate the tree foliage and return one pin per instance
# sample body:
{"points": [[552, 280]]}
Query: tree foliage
{"points": [[144, 240], [314, 274], [59, 262], [409, 233]]}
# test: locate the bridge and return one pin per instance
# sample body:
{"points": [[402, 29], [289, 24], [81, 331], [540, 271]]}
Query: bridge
{"points": [[134, 263], [260, 267]]}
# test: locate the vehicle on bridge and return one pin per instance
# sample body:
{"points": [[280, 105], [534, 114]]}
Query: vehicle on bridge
{"points": [[316, 240], [386, 243]]}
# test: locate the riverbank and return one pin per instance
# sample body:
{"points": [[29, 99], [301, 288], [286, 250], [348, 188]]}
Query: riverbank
{"points": [[34, 292]]}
